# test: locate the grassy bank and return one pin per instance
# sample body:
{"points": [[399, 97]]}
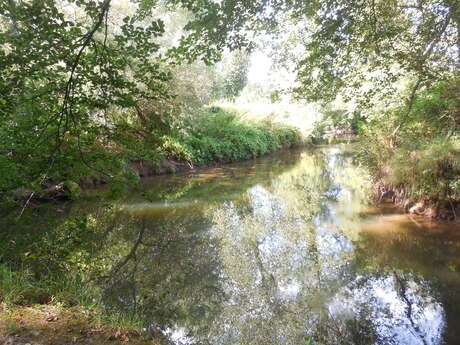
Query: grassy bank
{"points": [[55, 324], [415, 152], [48, 293], [217, 135], [60, 309]]}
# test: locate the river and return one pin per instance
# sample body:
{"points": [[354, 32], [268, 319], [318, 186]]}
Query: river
{"points": [[283, 249]]}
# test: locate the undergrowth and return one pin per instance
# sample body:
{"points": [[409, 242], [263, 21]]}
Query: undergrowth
{"points": [[222, 136], [423, 156], [47, 261], [20, 287], [213, 135]]}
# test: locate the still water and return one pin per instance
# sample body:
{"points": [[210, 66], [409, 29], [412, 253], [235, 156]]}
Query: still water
{"points": [[279, 250]]}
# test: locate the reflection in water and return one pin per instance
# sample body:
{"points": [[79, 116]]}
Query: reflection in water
{"points": [[278, 251]]}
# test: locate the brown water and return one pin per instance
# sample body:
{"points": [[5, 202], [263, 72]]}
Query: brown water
{"points": [[279, 250]]}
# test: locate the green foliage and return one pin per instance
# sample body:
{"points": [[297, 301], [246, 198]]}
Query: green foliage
{"points": [[337, 119], [220, 136], [73, 189], [65, 79], [236, 78], [60, 77], [173, 149], [424, 157], [351, 44], [430, 171], [336, 46], [21, 286], [434, 112], [340, 118]]}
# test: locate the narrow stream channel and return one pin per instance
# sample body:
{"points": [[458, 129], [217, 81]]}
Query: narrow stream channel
{"points": [[278, 250]]}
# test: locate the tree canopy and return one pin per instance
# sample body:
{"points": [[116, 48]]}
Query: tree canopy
{"points": [[341, 44]]}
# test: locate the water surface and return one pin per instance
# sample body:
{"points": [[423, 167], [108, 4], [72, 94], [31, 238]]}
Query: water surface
{"points": [[279, 250]]}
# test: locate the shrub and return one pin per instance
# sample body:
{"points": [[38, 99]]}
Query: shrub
{"points": [[219, 135]]}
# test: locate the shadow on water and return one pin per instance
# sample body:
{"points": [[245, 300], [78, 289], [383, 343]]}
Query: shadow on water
{"points": [[279, 250]]}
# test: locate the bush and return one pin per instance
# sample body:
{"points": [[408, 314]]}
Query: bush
{"points": [[221, 136], [173, 149]]}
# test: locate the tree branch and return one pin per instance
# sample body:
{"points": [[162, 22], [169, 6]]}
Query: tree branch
{"points": [[425, 56]]}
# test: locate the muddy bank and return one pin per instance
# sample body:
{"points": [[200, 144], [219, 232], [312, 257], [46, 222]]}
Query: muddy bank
{"points": [[447, 210], [165, 167], [55, 190]]}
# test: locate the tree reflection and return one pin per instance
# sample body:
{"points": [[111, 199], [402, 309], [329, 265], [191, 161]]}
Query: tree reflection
{"points": [[283, 262], [292, 273], [165, 268], [270, 255]]}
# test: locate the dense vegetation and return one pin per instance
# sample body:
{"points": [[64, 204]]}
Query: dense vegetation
{"points": [[423, 161], [102, 105], [89, 89], [220, 137], [77, 105]]}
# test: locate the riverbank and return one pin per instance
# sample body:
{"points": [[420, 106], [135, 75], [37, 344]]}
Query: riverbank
{"points": [[445, 210], [413, 150], [423, 179], [218, 136], [52, 325], [57, 309]]}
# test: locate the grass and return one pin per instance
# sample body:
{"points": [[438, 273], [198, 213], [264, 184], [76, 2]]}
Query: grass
{"points": [[13, 286], [430, 171], [59, 310], [20, 287], [54, 324]]}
